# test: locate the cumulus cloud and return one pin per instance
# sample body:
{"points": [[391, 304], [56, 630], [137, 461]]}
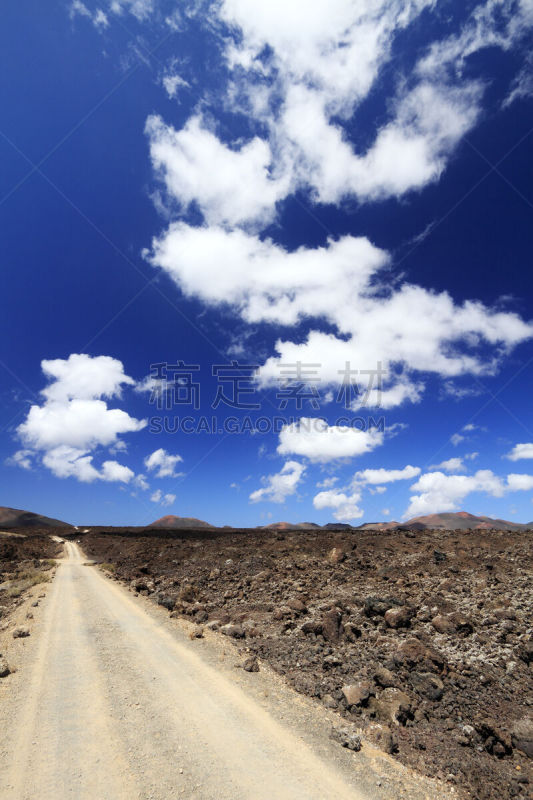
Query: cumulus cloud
{"points": [[345, 506], [162, 463], [327, 483], [340, 283], [281, 485], [196, 167], [156, 496], [71, 462], [519, 483], [300, 82], [438, 492], [386, 475], [450, 465], [519, 451], [314, 439], [73, 419], [168, 499]]}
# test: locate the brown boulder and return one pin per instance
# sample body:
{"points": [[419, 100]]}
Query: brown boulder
{"points": [[442, 624], [522, 735], [384, 677], [382, 737], [336, 555], [311, 626], [413, 653], [235, 631], [393, 706], [428, 685], [331, 622], [399, 617], [297, 605], [357, 694]]}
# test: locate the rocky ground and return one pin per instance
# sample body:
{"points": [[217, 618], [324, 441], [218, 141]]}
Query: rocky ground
{"points": [[424, 639], [26, 561]]}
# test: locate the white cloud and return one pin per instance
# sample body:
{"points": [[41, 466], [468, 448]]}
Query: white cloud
{"points": [[141, 482], [439, 492], [98, 17], [340, 283], [314, 439], [112, 471], [74, 420], [141, 9], [346, 506], [168, 499], [84, 377], [231, 186], [450, 465], [300, 72], [457, 438], [519, 451], [281, 485], [172, 81], [327, 483], [519, 483], [163, 463], [386, 475], [72, 462], [156, 496], [76, 423], [22, 458]]}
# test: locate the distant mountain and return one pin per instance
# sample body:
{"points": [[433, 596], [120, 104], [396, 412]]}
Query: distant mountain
{"points": [[459, 520], [171, 521], [16, 518], [290, 526]]}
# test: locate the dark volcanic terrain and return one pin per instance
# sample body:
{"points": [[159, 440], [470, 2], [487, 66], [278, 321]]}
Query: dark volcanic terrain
{"points": [[25, 561], [424, 639]]}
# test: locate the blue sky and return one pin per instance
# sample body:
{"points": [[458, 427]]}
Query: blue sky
{"points": [[293, 188]]}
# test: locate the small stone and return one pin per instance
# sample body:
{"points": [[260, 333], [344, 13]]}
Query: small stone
{"points": [[251, 664], [382, 737], [296, 605], [4, 668], [329, 701], [442, 624], [522, 735], [377, 606], [21, 632], [384, 677], [428, 685], [235, 631], [331, 625], [346, 738]]}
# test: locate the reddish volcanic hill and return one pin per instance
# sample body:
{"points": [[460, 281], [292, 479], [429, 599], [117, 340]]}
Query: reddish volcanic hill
{"points": [[170, 521], [461, 520], [16, 518], [288, 526], [458, 520]]}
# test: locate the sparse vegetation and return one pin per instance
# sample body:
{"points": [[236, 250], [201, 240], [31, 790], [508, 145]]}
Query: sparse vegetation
{"points": [[108, 566]]}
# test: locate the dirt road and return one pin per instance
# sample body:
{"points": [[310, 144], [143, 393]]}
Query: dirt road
{"points": [[112, 703]]}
